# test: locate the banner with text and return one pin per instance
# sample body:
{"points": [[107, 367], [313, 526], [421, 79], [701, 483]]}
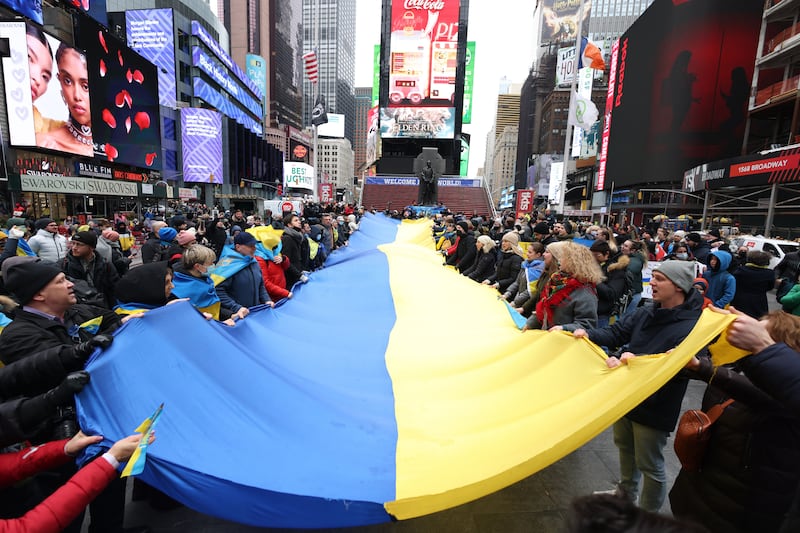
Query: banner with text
{"points": [[201, 135]]}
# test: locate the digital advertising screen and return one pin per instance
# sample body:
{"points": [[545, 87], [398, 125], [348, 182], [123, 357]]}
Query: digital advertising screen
{"points": [[682, 84], [424, 49], [125, 114], [333, 128], [257, 72], [417, 122], [151, 33], [27, 8], [201, 136], [373, 136], [560, 21], [94, 8], [299, 151], [47, 91]]}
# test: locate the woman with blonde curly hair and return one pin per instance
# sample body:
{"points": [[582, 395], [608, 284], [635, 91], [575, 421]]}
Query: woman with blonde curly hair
{"points": [[483, 266], [569, 299]]}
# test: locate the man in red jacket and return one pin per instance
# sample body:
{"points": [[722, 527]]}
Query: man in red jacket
{"points": [[64, 505]]}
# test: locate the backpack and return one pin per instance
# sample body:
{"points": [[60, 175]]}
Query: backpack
{"points": [[625, 298], [162, 254]]}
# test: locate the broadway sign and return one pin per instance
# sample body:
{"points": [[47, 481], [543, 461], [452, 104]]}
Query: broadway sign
{"points": [[780, 166]]}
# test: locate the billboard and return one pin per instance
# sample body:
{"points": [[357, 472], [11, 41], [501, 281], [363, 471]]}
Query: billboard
{"points": [[766, 168], [333, 128], [222, 76], [469, 76], [27, 8], [124, 107], [94, 8], [423, 48], [373, 136], [257, 72], [560, 20], [683, 77], [525, 199], [299, 151], [417, 122], [48, 100], [464, 160], [150, 32], [376, 74], [201, 137], [298, 176]]}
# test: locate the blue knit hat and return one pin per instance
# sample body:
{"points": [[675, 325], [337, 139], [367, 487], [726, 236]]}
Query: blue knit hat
{"points": [[167, 234]]}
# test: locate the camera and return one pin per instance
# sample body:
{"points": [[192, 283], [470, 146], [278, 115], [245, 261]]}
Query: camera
{"points": [[65, 424]]}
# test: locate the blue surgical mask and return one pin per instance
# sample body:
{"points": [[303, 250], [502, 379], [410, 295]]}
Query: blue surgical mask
{"points": [[682, 257]]}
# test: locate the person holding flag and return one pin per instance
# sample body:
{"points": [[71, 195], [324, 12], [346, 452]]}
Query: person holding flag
{"points": [[192, 281], [238, 278]]}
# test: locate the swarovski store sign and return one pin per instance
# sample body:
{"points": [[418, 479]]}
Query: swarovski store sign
{"points": [[74, 185]]}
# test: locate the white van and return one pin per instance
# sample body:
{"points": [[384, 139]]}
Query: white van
{"points": [[777, 247]]}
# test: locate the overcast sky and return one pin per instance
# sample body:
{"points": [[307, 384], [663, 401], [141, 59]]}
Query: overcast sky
{"points": [[504, 35]]}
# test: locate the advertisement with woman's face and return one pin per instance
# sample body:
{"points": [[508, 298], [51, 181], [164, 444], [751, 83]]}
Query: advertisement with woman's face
{"points": [[56, 76]]}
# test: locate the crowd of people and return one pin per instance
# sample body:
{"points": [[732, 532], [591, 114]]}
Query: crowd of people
{"points": [[69, 287]]}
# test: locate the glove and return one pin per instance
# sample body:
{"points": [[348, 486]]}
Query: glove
{"points": [[16, 233], [71, 385], [85, 349]]}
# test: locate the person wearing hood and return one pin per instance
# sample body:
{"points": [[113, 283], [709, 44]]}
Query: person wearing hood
{"points": [[47, 243], [273, 266], [721, 283], [144, 288], [754, 279], [641, 435], [508, 264]]}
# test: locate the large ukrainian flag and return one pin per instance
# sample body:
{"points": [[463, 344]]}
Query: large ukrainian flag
{"points": [[388, 387]]}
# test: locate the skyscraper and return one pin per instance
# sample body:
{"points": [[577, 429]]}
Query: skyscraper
{"points": [[363, 103], [329, 28]]}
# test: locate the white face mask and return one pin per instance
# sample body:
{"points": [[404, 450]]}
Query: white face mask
{"points": [[682, 257]]}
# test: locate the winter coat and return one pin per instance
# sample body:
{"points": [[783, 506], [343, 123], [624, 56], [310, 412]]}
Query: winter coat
{"points": [[38, 372], [103, 277], [144, 285], [30, 329], [701, 251], [635, 268], [751, 468], [274, 277], [506, 270], [721, 283], [752, 284], [292, 243], [518, 292], [59, 509], [465, 252], [654, 330], [153, 251], [217, 237], [49, 246], [791, 300], [243, 289], [577, 311], [482, 267], [610, 290], [789, 267]]}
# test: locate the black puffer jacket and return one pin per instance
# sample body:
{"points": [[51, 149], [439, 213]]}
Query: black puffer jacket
{"points": [[292, 242], [789, 266], [752, 284], [506, 270], [144, 285], [482, 267], [29, 329], [751, 468], [655, 330]]}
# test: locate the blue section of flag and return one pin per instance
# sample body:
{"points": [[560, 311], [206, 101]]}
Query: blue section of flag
{"points": [[289, 415], [200, 291]]}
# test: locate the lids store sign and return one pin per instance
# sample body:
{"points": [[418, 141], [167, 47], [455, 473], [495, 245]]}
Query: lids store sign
{"points": [[72, 185]]}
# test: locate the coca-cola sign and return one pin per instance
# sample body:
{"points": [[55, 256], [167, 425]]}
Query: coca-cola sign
{"points": [[424, 51]]}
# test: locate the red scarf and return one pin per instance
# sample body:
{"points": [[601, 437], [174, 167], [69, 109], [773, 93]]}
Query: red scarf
{"points": [[558, 288]]}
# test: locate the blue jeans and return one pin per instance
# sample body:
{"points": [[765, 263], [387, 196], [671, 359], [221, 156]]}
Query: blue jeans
{"points": [[641, 451]]}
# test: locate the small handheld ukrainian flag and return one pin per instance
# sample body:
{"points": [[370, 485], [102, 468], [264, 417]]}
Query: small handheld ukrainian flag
{"points": [[135, 464]]}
